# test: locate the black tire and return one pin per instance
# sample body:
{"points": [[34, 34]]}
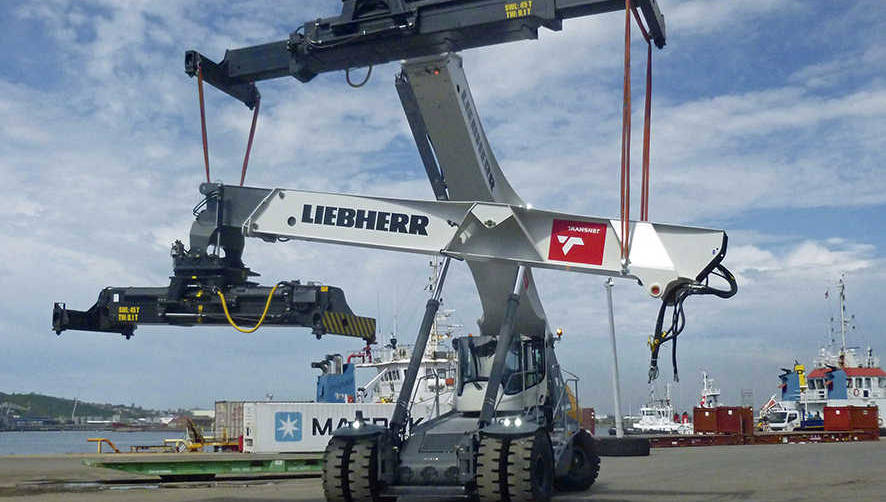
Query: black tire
{"points": [[335, 470], [350, 471], [363, 472], [622, 447], [490, 473], [585, 465], [530, 469]]}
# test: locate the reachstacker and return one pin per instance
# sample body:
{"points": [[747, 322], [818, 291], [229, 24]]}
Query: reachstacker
{"points": [[513, 434]]}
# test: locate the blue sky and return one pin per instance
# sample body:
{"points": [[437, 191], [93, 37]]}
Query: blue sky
{"points": [[769, 120]]}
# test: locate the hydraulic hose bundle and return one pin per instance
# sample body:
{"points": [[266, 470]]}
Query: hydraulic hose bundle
{"points": [[675, 299]]}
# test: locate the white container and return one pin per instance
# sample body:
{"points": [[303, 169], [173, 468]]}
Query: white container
{"points": [[293, 427]]}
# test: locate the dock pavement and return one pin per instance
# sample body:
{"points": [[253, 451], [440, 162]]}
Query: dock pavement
{"points": [[791, 472]]}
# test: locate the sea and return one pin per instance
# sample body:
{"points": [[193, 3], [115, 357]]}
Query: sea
{"points": [[58, 442]]}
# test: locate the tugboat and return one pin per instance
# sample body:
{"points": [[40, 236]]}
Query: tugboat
{"points": [[657, 417], [841, 376], [710, 393]]}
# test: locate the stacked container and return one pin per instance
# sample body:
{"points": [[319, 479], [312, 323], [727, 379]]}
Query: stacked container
{"points": [[704, 420], [723, 420], [850, 418]]}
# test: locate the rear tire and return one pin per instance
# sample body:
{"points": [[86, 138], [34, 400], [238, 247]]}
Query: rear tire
{"points": [[585, 465]]}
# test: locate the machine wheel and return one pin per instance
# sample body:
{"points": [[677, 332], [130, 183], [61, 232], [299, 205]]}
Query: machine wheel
{"points": [[350, 471], [530, 468], [490, 470], [335, 470], [585, 465]]}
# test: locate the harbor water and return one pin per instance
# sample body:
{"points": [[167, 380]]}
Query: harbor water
{"points": [[58, 442]]}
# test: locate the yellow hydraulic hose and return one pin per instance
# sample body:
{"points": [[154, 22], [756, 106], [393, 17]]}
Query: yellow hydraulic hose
{"points": [[260, 321]]}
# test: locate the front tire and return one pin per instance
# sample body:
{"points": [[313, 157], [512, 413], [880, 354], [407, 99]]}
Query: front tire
{"points": [[531, 469], [350, 471], [491, 471]]}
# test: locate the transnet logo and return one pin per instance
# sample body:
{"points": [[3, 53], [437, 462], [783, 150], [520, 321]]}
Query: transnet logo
{"points": [[577, 242], [568, 242]]}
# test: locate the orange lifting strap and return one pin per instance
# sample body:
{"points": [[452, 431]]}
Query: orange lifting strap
{"points": [[626, 131], [203, 128]]}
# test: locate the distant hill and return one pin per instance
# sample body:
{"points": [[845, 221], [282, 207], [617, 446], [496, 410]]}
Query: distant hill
{"points": [[39, 405]]}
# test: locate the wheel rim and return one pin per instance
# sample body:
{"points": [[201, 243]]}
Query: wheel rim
{"points": [[578, 459]]}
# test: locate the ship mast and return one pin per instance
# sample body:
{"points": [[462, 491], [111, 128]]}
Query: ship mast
{"points": [[432, 284], [842, 287]]}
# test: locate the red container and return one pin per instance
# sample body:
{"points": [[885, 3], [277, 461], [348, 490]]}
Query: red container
{"points": [[837, 418], [863, 418], [728, 420], [588, 419], [704, 420]]}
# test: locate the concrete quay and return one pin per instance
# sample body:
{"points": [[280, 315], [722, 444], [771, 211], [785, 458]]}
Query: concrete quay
{"points": [[791, 472]]}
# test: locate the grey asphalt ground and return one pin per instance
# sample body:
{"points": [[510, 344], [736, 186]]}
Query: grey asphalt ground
{"points": [[801, 472]]}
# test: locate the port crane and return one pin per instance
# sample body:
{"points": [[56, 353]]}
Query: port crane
{"points": [[514, 433]]}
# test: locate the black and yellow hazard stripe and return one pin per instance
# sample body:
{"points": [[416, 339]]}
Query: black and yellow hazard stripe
{"points": [[340, 323]]}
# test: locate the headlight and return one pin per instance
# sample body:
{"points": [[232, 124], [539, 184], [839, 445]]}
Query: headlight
{"points": [[518, 422], [506, 422], [356, 424]]}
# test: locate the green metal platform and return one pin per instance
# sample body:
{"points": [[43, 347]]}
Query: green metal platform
{"points": [[202, 466]]}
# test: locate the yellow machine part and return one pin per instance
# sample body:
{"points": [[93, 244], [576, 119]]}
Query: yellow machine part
{"points": [[574, 411], [801, 375], [350, 325]]}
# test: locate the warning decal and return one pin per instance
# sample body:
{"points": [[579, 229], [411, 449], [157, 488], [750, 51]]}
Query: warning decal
{"points": [[577, 242]]}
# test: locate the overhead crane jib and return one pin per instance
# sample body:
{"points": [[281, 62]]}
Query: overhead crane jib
{"points": [[374, 32]]}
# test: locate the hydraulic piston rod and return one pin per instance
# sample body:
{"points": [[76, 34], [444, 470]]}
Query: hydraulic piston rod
{"points": [[505, 338], [398, 420]]}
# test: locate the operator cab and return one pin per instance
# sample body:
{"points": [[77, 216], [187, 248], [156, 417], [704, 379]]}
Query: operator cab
{"points": [[524, 383]]}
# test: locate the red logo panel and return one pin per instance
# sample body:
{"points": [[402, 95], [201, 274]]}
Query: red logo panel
{"points": [[577, 242]]}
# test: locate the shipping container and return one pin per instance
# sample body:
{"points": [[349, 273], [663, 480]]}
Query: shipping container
{"points": [[864, 418], [850, 418], [836, 418], [228, 419], [734, 420], [589, 420], [704, 420], [301, 427]]}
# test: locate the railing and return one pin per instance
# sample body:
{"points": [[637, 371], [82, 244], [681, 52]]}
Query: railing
{"points": [[101, 441]]}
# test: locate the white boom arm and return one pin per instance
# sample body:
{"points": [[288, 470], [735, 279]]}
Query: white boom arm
{"points": [[661, 256]]}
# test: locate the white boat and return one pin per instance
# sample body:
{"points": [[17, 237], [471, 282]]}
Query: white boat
{"points": [[435, 384], [710, 393], [657, 417]]}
